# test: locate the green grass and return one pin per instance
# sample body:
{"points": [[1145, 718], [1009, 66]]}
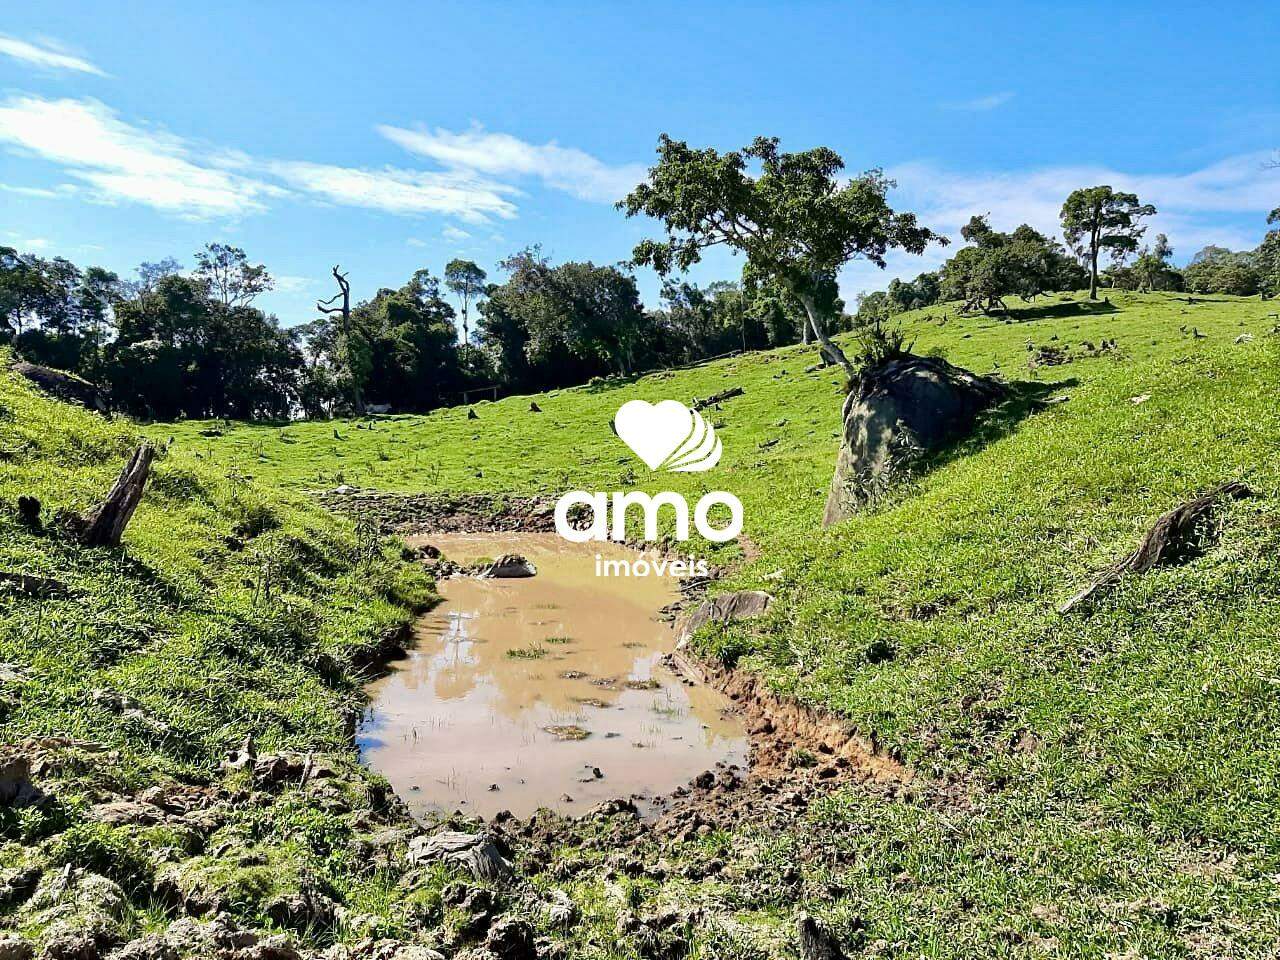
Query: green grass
{"points": [[230, 609], [1091, 784]]}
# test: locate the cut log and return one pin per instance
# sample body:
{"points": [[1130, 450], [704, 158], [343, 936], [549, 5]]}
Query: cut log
{"points": [[103, 525], [720, 397], [1173, 538]]}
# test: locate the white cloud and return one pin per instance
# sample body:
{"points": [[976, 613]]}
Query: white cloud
{"points": [[290, 284], [42, 193], [983, 104], [415, 242], [453, 233], [499, 154], [402, 191], [46, 57], [122, 162]]}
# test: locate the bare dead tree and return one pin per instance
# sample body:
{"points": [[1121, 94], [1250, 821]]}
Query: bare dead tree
{"points": [[344, 311], [103, 525]]}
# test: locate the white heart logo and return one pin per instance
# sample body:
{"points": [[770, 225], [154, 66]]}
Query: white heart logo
{"points": [[668, 435]]}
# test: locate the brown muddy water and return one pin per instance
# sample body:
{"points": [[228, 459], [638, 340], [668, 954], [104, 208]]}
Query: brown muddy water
{"points": [[542, 692]]}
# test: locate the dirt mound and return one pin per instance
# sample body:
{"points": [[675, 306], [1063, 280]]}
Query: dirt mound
{"points": [[905, 407]]}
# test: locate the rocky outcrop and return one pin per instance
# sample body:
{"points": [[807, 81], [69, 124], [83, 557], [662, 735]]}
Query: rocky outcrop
{"points": [[903, 408], [65, 386], [740, 605]]}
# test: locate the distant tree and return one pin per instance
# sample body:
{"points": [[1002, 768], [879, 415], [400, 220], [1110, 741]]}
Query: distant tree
{"points": [[873, 308], [1268, 259], [230, 277], [1153, 271], [1024, 263], [795, 221], [412, 345], [592, 312], [467, 282], [1100, 218], [181, 352], [96, 296], [506, 313], [924, 291], [1218, 270], [148, 274], [354, 349]]}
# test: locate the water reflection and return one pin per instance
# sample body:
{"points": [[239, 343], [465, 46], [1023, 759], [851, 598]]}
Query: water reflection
{"points": [[484, 713]]}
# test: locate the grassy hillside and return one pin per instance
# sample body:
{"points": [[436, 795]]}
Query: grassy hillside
{"points": [[1098, 784], [164, 654]]}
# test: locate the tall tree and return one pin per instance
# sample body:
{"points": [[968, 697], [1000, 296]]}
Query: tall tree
{"points": [[467, 282], [1100, 218], [795, 221], [231, 278]]}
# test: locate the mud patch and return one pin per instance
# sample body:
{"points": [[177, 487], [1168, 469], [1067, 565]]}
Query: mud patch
{"points": [[492, 710]]}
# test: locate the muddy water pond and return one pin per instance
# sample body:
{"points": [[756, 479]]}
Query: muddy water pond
{"points": [[542, 692]]}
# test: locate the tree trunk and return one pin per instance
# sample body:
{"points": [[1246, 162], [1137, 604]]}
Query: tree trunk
{"points": [[103, 525], [1093, 265], [828, 347]]}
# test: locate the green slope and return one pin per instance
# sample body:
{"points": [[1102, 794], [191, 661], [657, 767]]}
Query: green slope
{"points": [[1101, 782]]}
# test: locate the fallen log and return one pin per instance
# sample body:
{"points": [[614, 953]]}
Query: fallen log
{"points": [[1171, 539], [103, 525], [715, 398]]}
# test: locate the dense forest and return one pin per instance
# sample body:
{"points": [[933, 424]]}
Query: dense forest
{"points": [[173, 342]]}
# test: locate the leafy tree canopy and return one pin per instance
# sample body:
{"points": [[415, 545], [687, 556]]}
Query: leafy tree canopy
{"points": [[794, 221]]}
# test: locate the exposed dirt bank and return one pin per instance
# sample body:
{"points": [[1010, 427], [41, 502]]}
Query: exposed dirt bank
{"points": [[790, 743]]}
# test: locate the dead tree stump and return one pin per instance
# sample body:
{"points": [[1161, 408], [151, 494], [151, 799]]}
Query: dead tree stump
{"points": [[1171, 539], [103, 525]]}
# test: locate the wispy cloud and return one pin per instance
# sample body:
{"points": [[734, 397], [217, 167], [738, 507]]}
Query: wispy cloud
{"points": [[398, 191], [499, 154], [982, 104], [292, 284], [123, 162], [46, 57], [453, 233], [42, 193]]}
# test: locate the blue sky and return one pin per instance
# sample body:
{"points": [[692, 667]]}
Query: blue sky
{"points": [[393, 136]]}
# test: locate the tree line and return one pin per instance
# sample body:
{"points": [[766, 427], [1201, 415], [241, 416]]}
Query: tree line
{"points": [[1097, 222], [171, 342]]}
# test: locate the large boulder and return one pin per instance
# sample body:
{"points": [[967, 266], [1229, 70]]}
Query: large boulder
{"points": [[905, 407], [65, 386]]}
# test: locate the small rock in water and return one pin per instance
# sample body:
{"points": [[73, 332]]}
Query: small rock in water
{"points": [[508, 567]]}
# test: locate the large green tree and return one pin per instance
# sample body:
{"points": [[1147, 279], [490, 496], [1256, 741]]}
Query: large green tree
{"points": [[1100, 218], [996, 265], [795, 220]]}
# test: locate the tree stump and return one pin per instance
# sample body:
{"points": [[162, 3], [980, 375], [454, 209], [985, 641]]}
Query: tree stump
{"points": [[103, 525]]}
